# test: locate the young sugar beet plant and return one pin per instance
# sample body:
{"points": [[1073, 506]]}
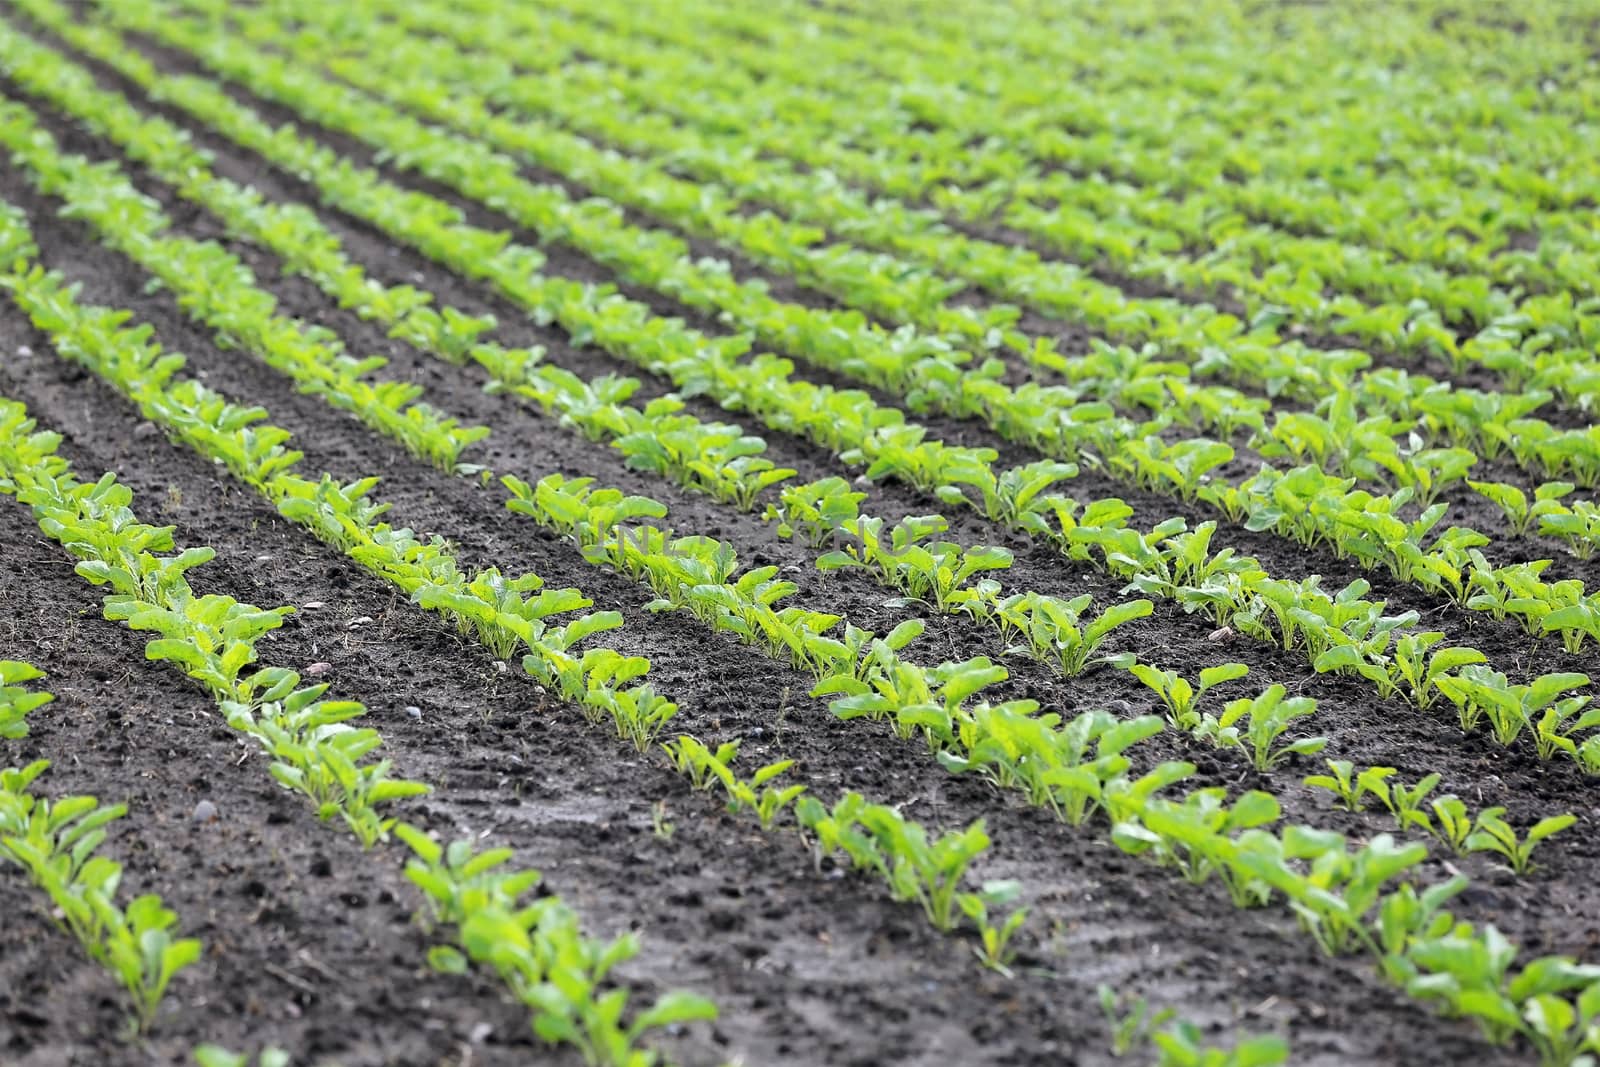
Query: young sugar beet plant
{"points": [[1266, 718], [1056, 632], [534, 942], [56, 844], [1445, 816], [15, 701], [1183, 835], [1548, 705], [879, 839], [706, 768], [907, 559], [1178, 1042], [1178, 695], [1472, 976]]}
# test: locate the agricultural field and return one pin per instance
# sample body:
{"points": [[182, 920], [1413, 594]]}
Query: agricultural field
{"points": [[956, 532]]}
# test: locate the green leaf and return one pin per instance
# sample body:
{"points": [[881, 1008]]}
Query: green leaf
{"points": [[446, 959], [675, 1007], [1546, 827]]}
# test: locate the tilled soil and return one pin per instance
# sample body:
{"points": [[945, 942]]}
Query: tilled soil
{"points": [[313, 945]]}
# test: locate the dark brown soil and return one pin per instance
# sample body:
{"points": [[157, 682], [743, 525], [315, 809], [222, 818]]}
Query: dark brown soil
{"points": [[310, 942]]}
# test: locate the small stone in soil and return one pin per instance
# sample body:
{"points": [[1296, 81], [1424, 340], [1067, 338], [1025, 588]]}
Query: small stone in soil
{"points": [[414, 711], [205, 811], [319, 668]]}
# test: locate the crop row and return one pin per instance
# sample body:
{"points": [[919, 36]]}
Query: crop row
{"points": [[903, 292], [878, 682], [1231, 588], [1338, 439], [1215, 343], [1074, 768], [947, 30], [697, 455], [1332, 932], [497, 612], [939, 130], [719, 460], [722, 114], [1066, 212], [1364, 895], [536, 947], [1022, 415], [940, 574], [932, 37], [212, 638], [1227, 586], [56, 842], [880, 562]]}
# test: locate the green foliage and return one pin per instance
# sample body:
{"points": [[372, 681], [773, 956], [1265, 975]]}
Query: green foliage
{"points": [[1178, 695], [1350, 788], [705, 768], [1182, 1045], [538, 950], [1452, 286], [317, 753], [1491, 833], [1266, 719], [217, 1056], [15, 701], [1056, 632], [816, 509], [916, 867], [56, 843], [1131, 1026]]}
